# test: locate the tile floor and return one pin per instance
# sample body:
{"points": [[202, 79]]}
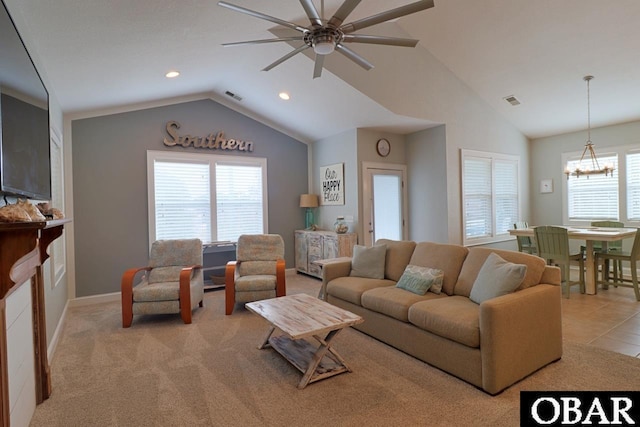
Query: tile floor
{"points": [[610, 320]]}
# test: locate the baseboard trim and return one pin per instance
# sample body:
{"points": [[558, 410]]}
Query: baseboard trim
{"points": [[94, 299], [51, 349]]}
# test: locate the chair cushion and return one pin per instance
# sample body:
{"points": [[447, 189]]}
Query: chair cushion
{"points": [[445, 257], [456, 318], [393, 301], [476, 258], [251, 296], [259, 282], [496, 277], [260, 247], [165, 291], [351, 288], [183, 252], [165, 274], [251, 268], [397, 257], [368, 262]]}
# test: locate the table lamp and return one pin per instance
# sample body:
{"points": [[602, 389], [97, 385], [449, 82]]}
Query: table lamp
{"points": [[308, 201]]}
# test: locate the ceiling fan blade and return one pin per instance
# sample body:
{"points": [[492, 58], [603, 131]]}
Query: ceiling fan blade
{"points": [[317, 69], [389, 41], [311, 12], [343, 11], [284, 58], [280, 39], [354, 57], [387, 16], [262, 16]]}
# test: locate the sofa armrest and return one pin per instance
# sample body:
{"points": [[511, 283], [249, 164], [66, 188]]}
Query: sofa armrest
{"points": [[333, 270], [519, 333]]}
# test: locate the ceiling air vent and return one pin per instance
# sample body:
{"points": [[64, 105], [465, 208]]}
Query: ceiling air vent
{"points": [[512, 100], [233, 95]]}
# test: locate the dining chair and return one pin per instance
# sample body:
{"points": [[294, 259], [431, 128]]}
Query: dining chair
{"points": [[553, 245], [611, 246], [525, 244], [619, 256]]}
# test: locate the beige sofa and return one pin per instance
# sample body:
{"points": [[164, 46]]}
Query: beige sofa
{"points": [[491, 345]]}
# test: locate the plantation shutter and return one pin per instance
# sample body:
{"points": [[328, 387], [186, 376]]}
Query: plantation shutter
{"points": [[593, 197], [477, 197], [633, 186], [506, 193], [239, 200], [182, 200]]}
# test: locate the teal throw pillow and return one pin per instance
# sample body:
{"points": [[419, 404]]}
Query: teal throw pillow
{"points": [[496, 277], [368, 262], [419, 279]]}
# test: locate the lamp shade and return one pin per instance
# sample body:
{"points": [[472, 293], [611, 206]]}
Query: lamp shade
{"points": [[308, 201]]}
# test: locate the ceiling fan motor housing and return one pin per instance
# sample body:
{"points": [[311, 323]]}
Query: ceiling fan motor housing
{"points": [[323, 40]]}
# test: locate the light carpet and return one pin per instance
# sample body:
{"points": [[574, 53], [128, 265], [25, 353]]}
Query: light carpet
{"points": [[161, 372]]}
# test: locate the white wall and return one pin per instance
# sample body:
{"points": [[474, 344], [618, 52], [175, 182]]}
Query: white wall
{"points": [[416, 84], [546, 208]]}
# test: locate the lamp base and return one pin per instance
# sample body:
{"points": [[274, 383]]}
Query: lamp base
{"points": [[308, 219]]}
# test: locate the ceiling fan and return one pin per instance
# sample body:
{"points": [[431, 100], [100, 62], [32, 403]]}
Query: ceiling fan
{"points": [[325, 36]]}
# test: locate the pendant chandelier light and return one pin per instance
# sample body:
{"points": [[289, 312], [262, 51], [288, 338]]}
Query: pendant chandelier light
{"points": [[594, 167]]}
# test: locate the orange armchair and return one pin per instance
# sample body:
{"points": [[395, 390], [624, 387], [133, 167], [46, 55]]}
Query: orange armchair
{"points": [[172, 282]]}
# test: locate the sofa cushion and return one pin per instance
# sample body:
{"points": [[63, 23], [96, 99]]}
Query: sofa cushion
{"points": [[419, 279], [476, 258], [496, 277], [393, 302], [455, 318], [398, 255], [351, 288], [368, 262], [448, 258]]}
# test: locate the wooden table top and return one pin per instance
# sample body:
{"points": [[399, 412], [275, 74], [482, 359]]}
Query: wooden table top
{"points": [[586, 233], [302, 315]]}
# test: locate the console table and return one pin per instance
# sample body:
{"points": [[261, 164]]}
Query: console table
{"points": [[23, 250], [312, 246]]}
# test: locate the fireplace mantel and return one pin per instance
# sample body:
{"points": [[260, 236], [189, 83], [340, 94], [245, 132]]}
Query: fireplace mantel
{"points": [[23, 250]]}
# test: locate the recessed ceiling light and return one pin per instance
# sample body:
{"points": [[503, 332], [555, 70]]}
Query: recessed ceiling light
{"points": [[172, 74], [284, 95]]}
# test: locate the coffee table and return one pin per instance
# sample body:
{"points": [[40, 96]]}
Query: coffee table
{"points": [[302, 318]]}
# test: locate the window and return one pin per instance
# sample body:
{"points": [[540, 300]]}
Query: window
{"points": [[633, 186], [210, 197], [490, 196], [593, 197]]}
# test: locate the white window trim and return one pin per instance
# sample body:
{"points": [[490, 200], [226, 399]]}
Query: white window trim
{"points": [[58, 249], [494, 238], [212, 159], [621, 151]]}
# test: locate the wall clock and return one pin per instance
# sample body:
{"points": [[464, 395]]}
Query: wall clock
{"points": [[383, 147]]}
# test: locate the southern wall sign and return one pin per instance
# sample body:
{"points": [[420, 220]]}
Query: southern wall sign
{"points": [[213, 141], [332, 179]]}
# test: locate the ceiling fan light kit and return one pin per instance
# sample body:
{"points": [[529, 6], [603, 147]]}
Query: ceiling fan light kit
{"points": [[326, 36]]}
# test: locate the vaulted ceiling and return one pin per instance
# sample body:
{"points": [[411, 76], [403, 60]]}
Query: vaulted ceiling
{"points": [[101, 54]]}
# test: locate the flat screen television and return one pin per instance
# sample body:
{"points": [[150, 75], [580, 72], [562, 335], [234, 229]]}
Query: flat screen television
{"points": [[25, 158]]}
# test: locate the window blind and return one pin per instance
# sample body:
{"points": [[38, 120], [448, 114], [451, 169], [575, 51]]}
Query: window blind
{"points": [[182, 200], [239, 204], [477, 197], [506, 193], [593, 197], [633, 186]]}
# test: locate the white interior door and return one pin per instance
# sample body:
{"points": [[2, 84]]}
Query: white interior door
{"points": [[384, 199]]}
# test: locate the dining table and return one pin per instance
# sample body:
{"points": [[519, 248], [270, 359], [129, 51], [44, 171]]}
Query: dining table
{"points": [[589, 235]]}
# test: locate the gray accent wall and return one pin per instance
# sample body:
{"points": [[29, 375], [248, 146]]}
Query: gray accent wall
{"points": [[110, 182]]}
